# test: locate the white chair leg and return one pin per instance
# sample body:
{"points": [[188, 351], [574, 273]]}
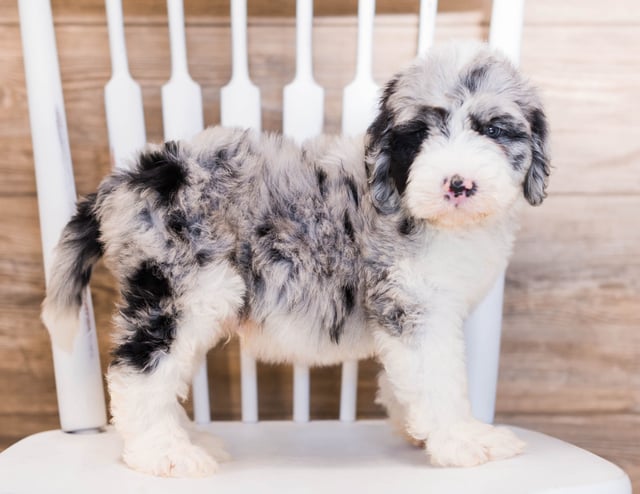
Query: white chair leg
{"points": [[349, 391], [301, 384], [482, 338], [78, 376]]}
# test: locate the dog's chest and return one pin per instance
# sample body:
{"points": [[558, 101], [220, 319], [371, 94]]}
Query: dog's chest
{"points": [[461, 265]]}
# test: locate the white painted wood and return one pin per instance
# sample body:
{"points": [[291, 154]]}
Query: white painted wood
{"points": [[358, 110], [507, 18], [482, 331], [349, 391], [200, 395], [483, 327], [248, 386], [359, 104], [303, 99], [182, 118], [240, 107], [240, 99], [302, 118], [426, 25], [301, 384], [359, 99], [319, 457], [122, 95], [78, 376]]}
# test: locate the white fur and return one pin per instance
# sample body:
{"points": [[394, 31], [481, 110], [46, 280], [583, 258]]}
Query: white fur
{"points": [[144, 407], [339, 249], [62, 323]]}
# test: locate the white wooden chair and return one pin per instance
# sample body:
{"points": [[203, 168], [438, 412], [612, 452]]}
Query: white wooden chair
{"points": [[297, 456]]}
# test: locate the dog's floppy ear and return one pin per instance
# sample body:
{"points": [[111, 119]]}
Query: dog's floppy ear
{"points": [[377, 157], [535, 182]]}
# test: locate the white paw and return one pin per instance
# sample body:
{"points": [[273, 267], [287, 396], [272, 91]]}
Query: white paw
{"points": [[178, 460], [471, 443], [418, 443]]}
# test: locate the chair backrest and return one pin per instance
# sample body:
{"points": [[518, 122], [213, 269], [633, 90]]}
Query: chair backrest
{"points": [[78, 375]]}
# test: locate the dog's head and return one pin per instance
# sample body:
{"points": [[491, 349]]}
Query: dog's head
{"points": [[459, 137]]}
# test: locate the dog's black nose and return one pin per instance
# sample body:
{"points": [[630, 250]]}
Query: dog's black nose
{"points": [[456, 185], [459, 186]]}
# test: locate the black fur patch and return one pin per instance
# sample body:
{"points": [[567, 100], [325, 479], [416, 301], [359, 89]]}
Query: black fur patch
{"points": [[538, 123], [177, 224], [223, 154], [404, 145], [243, 259], [535, 182], [391, 150], [336, 331], [264, 229], [162, 172], [82, 236], [321, 177], [353, 190], [152, 324], [378, 130], [204, 257], [382, 123], [348, 298], [341, 311], [147, 341], [407, 226], [390, 88], [245, 309], [146, 288], [348, 227]]}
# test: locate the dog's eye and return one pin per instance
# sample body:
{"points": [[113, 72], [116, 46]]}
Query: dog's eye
{"points": [[492, 131]]}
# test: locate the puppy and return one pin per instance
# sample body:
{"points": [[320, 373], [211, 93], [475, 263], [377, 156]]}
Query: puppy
{"points": [[341, 248]]}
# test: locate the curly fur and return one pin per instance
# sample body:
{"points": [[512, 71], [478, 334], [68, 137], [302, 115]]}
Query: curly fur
{"points": [[339, 248]]}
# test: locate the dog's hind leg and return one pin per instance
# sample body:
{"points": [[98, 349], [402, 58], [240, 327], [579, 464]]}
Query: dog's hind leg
{"points": [[165, 328]]}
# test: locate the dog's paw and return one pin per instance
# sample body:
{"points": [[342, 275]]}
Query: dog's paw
{"points": [[417, 443], [180, 460], [471, 443]]}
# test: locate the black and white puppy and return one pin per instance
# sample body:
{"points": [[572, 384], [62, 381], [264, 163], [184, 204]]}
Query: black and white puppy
{"points": [[338, 249]]}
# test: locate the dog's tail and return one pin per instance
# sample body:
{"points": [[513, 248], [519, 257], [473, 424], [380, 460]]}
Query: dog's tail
{"points": [[78, 249]]}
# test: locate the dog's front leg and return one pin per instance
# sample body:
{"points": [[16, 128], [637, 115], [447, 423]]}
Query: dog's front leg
{"points": [[425, 366]]}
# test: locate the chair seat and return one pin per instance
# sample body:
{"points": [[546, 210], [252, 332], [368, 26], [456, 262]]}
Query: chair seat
{"points": [[316, 457]]}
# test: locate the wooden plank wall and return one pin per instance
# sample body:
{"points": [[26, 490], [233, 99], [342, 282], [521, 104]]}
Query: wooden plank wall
{"points": [[571, 347]]}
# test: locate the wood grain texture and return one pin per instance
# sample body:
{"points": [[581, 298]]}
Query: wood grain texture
{"points": [[588, 95], [570, 340], [619, 12], [571, 347], [91, 11]]}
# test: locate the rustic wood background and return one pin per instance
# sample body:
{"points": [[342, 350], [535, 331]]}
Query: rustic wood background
{"points": [[571, 346]]}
